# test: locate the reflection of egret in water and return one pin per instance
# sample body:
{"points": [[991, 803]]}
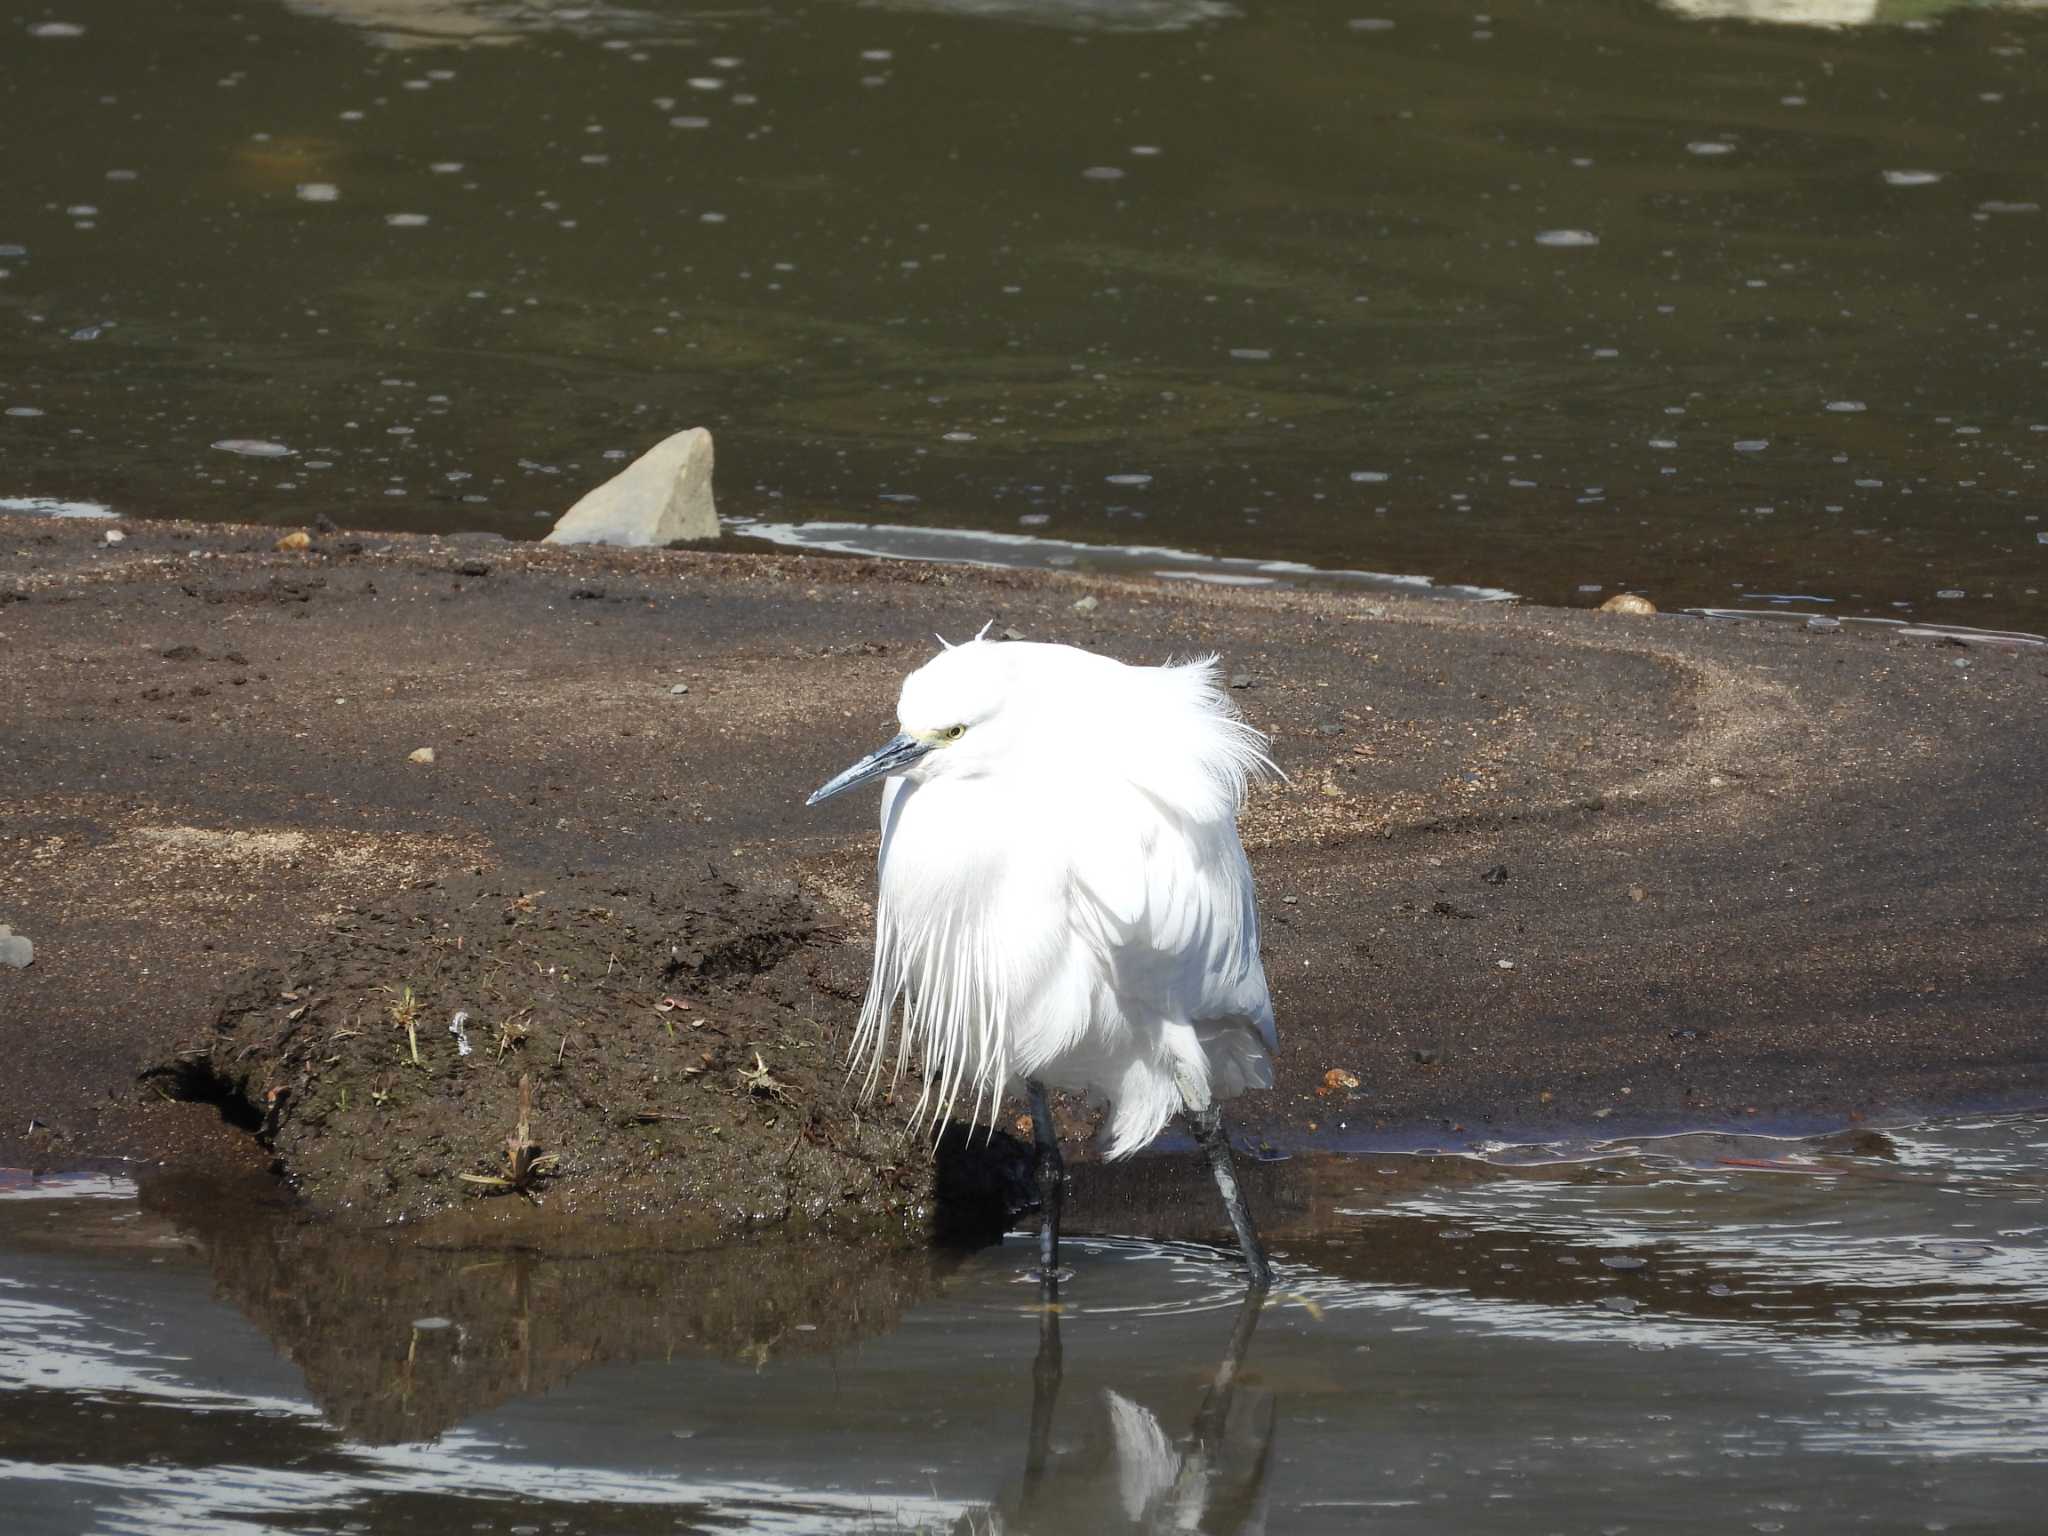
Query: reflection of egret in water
{"points": [[1126, 1472]]}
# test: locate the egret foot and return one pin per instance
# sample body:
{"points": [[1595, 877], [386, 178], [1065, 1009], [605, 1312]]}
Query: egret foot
{"points": [[1052, 1183], [1207, 1124]]}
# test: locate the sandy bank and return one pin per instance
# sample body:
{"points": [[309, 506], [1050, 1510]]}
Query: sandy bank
{"points": [[1533, 872]]}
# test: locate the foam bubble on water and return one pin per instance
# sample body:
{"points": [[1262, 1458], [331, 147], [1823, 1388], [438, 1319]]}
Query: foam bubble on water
{"points": [[705, 83], [23, 410], [253, 448], [710, 218], [405, 220], [1709, 147], [1997, 206], [1911, 178], [1370, 24], [1847, 407], [1752, 444], [316, 191], [689, 122], [1567, 239], [1128, 479], [877, 55], [446, 167], [1103, 173], [1146, 151], [959, 437], [1251, 354], [1369, 477], [56, 29]]}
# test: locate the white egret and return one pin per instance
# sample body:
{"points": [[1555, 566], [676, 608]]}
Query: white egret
{"points": [[1064, 901]]}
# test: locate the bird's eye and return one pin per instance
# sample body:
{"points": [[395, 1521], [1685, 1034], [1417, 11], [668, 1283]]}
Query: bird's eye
{"points": [[953, 732]]}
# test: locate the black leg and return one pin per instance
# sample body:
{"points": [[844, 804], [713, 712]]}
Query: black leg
{"points": [[1052, 1183], [1207, 1125], [1214, 1413], [1046, 1371]]}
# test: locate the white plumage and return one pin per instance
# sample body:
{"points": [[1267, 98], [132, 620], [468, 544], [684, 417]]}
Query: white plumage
{"points": [[1063, 898]]}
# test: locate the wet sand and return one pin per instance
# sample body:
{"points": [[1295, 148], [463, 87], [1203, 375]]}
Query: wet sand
{"points": [[1533, 873]]}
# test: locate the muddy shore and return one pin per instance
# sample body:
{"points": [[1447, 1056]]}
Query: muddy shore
{"points": [[1534, 873]]}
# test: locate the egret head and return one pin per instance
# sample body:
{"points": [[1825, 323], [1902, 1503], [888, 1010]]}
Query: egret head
{"points": [[960, 714]]}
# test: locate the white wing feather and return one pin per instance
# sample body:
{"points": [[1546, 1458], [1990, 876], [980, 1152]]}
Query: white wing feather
{"points": [[1089, 923]]}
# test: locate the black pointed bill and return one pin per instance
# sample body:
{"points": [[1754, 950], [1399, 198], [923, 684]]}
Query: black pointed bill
{"points": [[898, 755]]}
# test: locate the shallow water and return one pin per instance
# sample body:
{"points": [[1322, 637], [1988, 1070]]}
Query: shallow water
{"points": [[1705, 1334], [1730, 301]]}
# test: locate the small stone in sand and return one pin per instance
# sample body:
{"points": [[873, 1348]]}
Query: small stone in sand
{"points": [[15, 949], [1628, 602], [420, 755]]}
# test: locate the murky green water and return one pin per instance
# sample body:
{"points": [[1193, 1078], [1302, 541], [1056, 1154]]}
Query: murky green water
{"points": [[1706, 1334], [1558, 297]]}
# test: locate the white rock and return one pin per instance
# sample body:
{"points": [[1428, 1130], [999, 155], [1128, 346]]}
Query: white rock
{"points": [[420, 755], [662, 496], [15, 950]]}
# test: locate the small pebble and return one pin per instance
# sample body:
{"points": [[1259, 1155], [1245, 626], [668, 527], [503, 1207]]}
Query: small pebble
{"points": [[1628, 602], [116, 536], [679, 690], [15, 949], [420, 755], [1087, 605]]}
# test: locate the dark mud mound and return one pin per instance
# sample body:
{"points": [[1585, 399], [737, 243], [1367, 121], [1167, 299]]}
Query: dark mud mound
{"points": [[401, 1339], [671, 1054]]}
